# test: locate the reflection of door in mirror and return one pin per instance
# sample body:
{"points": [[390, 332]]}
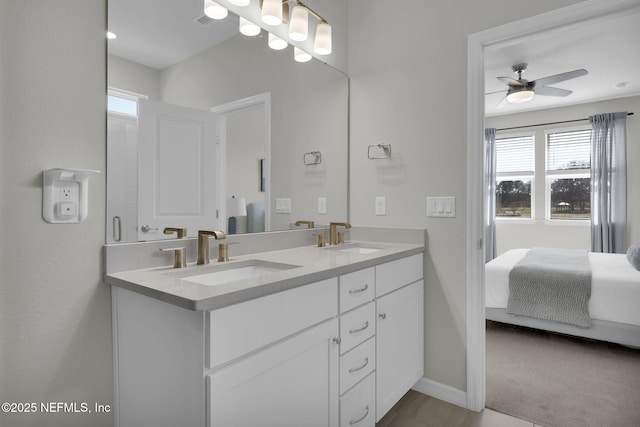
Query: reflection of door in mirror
{"points": [[180, 142], [245, 147]]}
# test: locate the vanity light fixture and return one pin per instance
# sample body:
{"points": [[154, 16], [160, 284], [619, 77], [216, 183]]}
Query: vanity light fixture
{"points": [[271, 12], [215, 11], [299, 25], [276, 43], [300, 55], [248, 28], [322, 42]]}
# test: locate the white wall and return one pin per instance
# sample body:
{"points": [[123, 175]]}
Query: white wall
{"points": [[130, 76], [408, 67], [55, 311], [512, 234]]}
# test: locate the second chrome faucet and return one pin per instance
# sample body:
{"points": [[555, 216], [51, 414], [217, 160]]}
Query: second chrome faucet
{"points": [[203, 244]]}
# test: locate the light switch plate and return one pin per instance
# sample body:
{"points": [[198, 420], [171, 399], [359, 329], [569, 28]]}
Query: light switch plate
{"points": [[444, 207], [283, 205], [381, 206], [322, 205]]}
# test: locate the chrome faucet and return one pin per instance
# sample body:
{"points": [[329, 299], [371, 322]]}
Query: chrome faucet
{"points": [[333, 236], [203, 244]]}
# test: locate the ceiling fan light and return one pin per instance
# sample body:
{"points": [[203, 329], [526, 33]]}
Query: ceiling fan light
{"points": [[271, 12], [299, 26], [300, 55], [276, 43], [519, 96], [215, 11], [322, 42], [248, 28]]}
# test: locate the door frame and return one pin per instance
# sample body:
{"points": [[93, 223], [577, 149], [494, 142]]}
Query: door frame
{"points": [[260, 100], [577, 14]]}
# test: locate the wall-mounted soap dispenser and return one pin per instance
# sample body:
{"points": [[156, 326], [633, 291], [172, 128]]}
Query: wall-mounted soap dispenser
{"points": [[65, 195]]}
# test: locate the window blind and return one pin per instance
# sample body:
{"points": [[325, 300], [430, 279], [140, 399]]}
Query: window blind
{"points": [[569, 150], [514, 154]]}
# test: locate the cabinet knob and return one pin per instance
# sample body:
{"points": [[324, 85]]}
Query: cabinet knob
{"points": [[382, 316], [337, 340]]}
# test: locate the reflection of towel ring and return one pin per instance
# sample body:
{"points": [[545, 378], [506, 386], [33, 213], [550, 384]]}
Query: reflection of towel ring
{"points": [[385, 154], [312, 158]]}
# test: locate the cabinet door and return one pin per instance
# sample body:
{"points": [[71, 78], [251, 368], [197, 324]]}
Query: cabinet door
{"points": [[399, 345], [294, 383]]}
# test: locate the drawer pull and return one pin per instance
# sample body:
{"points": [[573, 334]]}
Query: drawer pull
{"points": [[355, 291], [382, 316], [359, 368], [355, 331], [366, 412], [337, 340]]}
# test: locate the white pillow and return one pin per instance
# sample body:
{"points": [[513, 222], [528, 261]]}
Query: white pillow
{"points": [[633, 255]]}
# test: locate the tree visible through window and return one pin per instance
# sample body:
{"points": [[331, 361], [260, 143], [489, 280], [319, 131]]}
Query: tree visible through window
{"points": [[514, 176], [568, 174]]}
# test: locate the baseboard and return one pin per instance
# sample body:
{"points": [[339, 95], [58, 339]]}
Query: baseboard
{"points": [[441, 391]]}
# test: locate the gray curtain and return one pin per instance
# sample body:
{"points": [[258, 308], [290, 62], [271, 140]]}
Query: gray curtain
{"points": [[490, 193], [609, 183]]}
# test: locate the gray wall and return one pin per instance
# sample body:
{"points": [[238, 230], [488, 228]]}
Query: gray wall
{"points": [[55, 312], [408, 68]]}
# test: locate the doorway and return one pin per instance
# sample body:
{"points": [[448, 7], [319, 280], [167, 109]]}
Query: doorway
{"points": [[477, 43]]}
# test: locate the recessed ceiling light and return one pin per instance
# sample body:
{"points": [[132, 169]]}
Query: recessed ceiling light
{"points": [[620, 85], [111, 35]]}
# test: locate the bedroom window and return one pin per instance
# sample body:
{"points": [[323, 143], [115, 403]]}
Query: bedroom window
{"points": [[569, 175], [514, 176]]}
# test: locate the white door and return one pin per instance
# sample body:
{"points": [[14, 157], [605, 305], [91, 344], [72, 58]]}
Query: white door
{"points": [[292, 384], [399, 345], [176, 170]]}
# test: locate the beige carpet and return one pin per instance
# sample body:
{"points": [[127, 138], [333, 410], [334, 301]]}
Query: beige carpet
{"points": [[558, 381]]}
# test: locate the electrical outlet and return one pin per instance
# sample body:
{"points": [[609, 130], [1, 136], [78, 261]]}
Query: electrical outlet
{"points": [[322, 205], [66, 193]]}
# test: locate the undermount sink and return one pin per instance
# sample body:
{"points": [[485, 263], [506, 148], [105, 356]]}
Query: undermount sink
{"points": [[356, 248], [211, 275]]}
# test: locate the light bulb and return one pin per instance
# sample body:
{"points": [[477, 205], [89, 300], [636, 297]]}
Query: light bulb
{"points": [[276, 43], [299, 26], [272, 12], [248, 28], [322, 42], [300, 55], [241, 3], [111, 35], [214, 11]]}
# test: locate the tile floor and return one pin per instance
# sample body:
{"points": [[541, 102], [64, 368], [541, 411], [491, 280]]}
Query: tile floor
{"points": [[418, 410]]}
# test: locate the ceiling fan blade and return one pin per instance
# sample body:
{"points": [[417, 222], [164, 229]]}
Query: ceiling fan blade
{"points": [[545, 81], [502, 103], [551, 91], [494, 92], [509, 81]]}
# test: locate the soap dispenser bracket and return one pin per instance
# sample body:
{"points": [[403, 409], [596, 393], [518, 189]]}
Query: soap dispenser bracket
{"points": [[65, 195]]}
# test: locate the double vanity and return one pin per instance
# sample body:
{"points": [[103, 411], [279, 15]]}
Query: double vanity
{"points": [[296, 336]]}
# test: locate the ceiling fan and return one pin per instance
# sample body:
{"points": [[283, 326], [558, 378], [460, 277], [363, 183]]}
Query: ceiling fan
{"points": [[522, 90]]}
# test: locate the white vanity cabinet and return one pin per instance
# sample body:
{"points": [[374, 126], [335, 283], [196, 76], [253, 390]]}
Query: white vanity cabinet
{"points": [[336, 352]]}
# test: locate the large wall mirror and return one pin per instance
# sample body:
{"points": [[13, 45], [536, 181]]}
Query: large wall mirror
{"points": [[208, 128]]}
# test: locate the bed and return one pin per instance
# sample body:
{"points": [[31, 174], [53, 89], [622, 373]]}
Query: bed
{"points": [[613, 304]]}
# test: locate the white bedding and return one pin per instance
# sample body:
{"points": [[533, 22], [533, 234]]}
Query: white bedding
{"points": [[615, 285]]}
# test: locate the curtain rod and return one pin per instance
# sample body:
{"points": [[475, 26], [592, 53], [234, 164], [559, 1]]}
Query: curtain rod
{"points": [[551, 123]]}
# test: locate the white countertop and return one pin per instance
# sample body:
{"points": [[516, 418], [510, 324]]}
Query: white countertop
{"points": [[312, 264]]}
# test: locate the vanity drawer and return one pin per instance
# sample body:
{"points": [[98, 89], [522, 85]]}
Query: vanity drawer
{"points": [[395, 274], [241, 328], [357, 364], [356, 288], [356, 326], [357, 407]]}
